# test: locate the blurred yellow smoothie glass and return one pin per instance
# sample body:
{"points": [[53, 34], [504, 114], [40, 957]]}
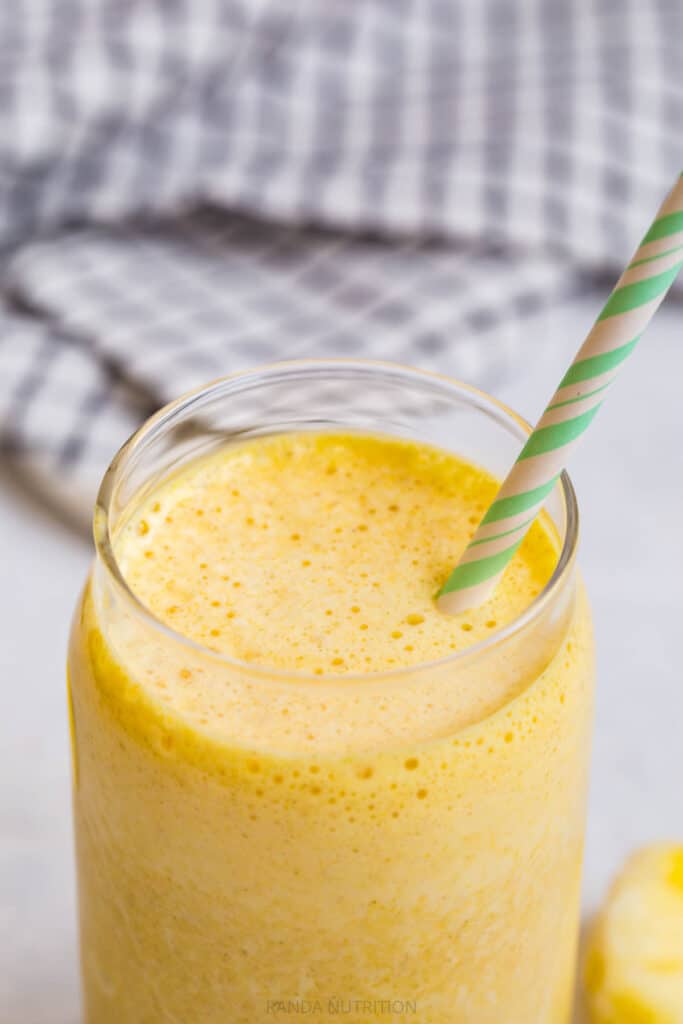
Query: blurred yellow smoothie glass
{"points": [[300, 790]]}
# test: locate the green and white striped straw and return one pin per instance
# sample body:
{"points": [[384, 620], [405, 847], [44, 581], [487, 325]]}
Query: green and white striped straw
{"points": [[627, 312]]}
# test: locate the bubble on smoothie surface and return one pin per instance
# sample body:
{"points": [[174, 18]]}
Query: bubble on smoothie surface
{"points": [[322, 553]]}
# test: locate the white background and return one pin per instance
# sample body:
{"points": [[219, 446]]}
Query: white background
{"points": [[629, 480]]}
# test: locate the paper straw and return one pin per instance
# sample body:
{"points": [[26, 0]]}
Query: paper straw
{"points": [[627, 312]]}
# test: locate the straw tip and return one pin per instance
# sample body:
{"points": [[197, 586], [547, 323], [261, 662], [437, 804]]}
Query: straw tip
{"points": [[453, 602]]}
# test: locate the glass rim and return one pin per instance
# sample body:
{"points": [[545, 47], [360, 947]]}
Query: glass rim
{"points": [[104, 546]]}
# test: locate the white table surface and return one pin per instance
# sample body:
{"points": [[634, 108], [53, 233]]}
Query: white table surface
{"points": [[630, 488]]}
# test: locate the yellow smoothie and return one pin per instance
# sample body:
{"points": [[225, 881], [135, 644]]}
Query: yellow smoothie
{"points": [[300, 790]]}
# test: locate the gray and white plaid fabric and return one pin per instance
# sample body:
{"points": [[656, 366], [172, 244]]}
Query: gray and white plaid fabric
{"points": [[192, 186]]}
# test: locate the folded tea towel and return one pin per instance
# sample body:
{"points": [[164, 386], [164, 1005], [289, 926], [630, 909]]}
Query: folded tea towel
{"points": [[188, 187]]}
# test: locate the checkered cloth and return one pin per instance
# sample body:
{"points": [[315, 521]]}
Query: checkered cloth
{"points": [[192, 186]]}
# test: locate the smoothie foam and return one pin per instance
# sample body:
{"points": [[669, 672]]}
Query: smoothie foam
{"points": [[322, 553]]}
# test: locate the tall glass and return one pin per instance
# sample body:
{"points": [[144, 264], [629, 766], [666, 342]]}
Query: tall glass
{"points": [[420, 873]]}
